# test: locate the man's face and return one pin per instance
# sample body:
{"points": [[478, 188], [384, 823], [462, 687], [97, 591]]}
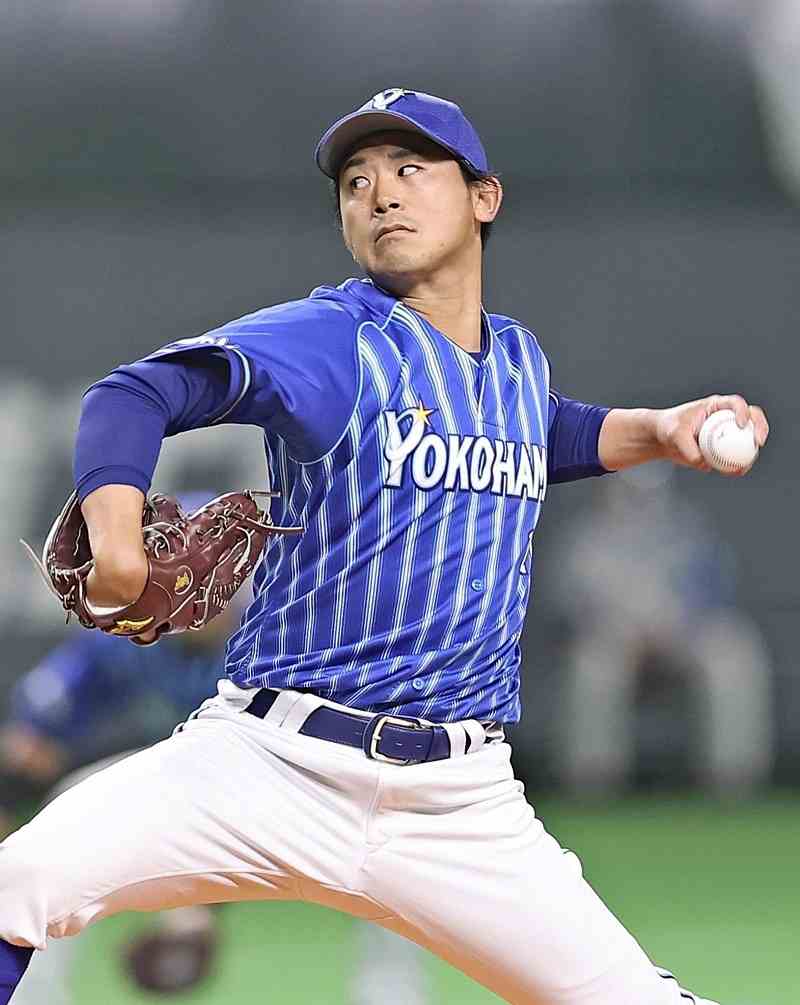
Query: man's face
{"points": [[406, 209]]}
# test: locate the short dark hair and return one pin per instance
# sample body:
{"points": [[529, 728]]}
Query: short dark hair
{"points": [[469, 176]]}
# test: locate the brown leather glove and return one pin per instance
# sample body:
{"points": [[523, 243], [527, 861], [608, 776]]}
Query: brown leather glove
{"points": [[196, 563]]}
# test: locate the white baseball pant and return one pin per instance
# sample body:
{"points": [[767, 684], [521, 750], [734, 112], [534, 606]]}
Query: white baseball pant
{"points": [[233, 808]]}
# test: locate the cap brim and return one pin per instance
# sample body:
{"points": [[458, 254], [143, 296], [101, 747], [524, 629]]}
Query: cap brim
{"points": [[345, 133]]}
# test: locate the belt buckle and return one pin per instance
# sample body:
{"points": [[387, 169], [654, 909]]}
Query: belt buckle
{"points": [[374, 754]]}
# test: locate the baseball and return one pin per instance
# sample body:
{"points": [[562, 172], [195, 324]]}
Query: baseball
{"points": [[724, 445]]}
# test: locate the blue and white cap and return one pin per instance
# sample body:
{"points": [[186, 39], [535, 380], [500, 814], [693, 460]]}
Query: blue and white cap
{"points": [[412, 111]]}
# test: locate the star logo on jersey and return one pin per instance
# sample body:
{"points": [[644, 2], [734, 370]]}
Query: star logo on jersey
{"points": [[421, 413], [383, 99]]}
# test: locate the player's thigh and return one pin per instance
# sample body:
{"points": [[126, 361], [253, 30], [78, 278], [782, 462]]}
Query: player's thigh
{"points": [[178, 823], [485, 887]]}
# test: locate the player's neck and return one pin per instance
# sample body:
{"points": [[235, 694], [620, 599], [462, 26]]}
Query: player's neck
{"points": [[452, 306]]}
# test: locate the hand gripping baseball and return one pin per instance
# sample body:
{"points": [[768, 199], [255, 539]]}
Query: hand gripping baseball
{"points": [[196, 563], [678, 429]]}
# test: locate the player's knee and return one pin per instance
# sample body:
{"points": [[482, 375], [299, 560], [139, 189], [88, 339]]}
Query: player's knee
{"points": [[19, 870], [24, 895]]}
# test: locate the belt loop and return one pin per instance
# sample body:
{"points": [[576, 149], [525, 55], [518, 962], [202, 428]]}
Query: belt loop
{"points": [[282, 707], [458, 738], [300, 709], [476, 735]]}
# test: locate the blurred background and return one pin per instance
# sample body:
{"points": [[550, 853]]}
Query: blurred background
{"points": [[156, 180]]}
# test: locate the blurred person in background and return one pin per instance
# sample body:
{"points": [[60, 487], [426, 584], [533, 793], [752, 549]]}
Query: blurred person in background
{"points": [[644, 580], [775, 48], [94, 696], [763, 37], [91, 701], [389, 970]]}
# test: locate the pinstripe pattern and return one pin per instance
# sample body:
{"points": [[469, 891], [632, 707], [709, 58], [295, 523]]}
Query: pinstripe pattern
{"points": [[386, 528], [464, 367], [520, 530], [405, 592]]}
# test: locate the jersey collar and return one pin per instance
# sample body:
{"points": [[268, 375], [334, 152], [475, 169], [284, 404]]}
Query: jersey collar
{"points": [[381, 301]]}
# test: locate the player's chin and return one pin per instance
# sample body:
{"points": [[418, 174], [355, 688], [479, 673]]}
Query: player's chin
{"points": [[395, 272], [398, 264], [392, 257]]}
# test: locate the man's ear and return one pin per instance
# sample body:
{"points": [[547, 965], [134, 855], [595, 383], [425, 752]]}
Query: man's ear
{"points": [[348, 246], [487, 197]]}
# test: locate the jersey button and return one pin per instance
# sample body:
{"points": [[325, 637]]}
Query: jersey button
{"points": [[418, 683], [477, 585]]}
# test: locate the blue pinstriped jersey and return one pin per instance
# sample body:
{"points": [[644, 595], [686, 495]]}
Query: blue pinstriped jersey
{"points": [[407, 590]]}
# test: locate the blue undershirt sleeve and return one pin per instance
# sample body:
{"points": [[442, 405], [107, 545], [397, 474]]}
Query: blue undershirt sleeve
{"points": [[573, 434], [292, 369], [126, 416]]}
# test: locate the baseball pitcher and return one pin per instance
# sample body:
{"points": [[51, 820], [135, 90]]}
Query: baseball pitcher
{"points": [[354, 755]]}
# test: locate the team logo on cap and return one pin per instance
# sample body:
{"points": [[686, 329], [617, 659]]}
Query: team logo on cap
{"points": [[383, 99]]}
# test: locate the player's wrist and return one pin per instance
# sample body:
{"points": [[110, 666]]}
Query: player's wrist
{"points": [[113, 515], [118, 578], [630, 436], [660, 423]]}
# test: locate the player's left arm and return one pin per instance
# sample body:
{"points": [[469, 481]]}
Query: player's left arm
{"points": [[631, 436], [573, 432]]}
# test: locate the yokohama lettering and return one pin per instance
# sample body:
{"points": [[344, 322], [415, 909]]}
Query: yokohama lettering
{"points": [[463, 463]]}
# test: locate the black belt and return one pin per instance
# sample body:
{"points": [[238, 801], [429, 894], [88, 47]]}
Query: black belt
{"points": [[391, 738]]}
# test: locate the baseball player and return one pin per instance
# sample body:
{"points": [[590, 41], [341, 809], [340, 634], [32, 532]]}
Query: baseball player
{"points": [[355, 753]]}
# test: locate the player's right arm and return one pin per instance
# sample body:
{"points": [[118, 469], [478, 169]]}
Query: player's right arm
{"points": [[113, 515], [123, 421], [291, 369]]}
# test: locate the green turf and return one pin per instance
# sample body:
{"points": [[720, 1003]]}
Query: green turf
{"points": [[710, 890]]}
